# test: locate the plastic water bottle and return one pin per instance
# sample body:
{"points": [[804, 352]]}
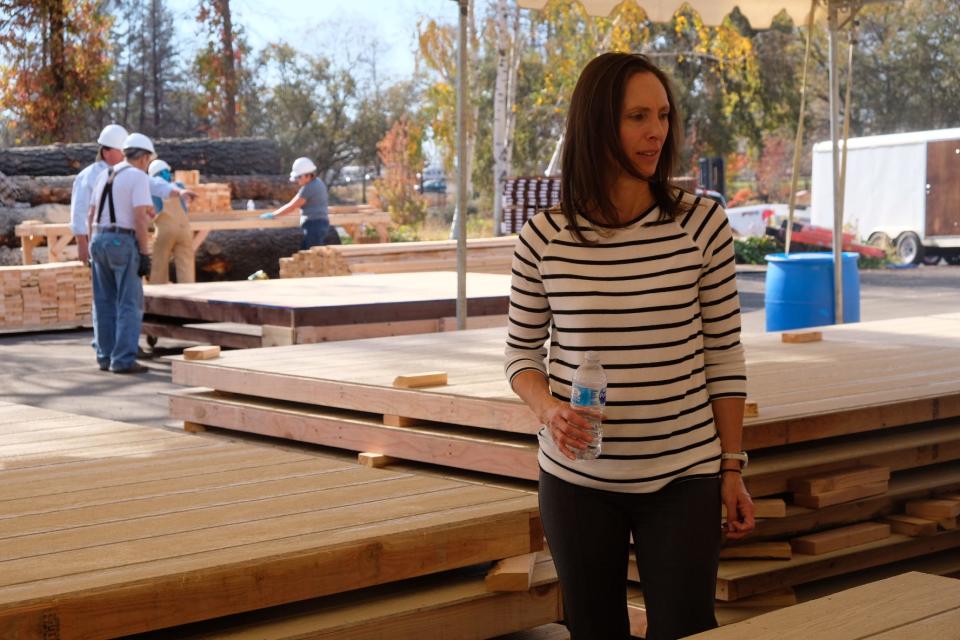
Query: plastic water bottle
{"points": [[589, 391], [251, 205]]}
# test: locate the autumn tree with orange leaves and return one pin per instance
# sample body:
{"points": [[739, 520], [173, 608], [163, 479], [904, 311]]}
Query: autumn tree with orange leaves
{"points": [[56, 67]]}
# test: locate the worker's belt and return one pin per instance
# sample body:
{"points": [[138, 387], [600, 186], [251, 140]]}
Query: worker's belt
{"points": [[112, 228]]}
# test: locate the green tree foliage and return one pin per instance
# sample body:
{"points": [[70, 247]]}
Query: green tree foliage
{"points": [[147, 95], [55, 67], [222, 71]]}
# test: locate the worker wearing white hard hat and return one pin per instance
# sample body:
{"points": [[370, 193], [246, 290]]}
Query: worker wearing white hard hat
{"points": [[120, 213], [311, 200], [173, 237], [109, 153]]}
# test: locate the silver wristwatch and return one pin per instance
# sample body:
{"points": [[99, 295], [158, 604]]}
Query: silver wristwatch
{"points": [[742, 457]]}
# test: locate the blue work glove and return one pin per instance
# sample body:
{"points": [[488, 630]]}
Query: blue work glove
{"points": [[270, 215]]}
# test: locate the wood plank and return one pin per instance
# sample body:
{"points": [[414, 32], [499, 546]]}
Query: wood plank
{"points": [[202, 352], [910, 526], [838, 496], [835, 539], [512, 574], [842, 479], [801, 337], [863, 612], [763, 550], [933, 509], [741, 578]]}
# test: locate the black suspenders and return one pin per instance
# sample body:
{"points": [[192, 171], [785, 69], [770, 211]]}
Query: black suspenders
{"points": [[107, 195]]}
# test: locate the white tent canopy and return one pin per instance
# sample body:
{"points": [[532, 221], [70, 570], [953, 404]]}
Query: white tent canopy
{"points": [[760, 13]]}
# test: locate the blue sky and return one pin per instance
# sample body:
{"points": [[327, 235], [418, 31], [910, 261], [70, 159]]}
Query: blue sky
{"points": [[317, 24]]}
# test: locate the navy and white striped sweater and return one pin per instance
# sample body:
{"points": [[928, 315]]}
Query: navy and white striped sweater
{"points": [[659, 302]]}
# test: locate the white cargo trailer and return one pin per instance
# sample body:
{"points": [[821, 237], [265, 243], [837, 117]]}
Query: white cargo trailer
{"points": [[902, 190]]}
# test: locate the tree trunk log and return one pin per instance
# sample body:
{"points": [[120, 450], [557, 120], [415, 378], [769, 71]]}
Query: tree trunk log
{"points": [[43, 189], [234, 255], [256, 187], [225, 156], [57, 189]]}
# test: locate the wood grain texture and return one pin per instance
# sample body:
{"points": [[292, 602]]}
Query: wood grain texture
{"points": [[864, 377], [128, 529], [905, 606]]}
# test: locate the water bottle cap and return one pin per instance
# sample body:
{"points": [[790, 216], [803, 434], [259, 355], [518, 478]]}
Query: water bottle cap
{"points": [[591, 356]]}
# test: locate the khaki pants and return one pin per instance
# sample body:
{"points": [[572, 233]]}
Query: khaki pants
{"points": [[173, 238]]}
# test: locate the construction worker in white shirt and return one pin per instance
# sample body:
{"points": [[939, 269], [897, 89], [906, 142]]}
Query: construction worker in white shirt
{"points": [[109, 154], [173, 233], [117, 223]]}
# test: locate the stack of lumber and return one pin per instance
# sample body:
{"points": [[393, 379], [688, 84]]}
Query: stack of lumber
{"points": [[111, 529], [484, 255], [848, 429], [46, 296], [212, 197]]}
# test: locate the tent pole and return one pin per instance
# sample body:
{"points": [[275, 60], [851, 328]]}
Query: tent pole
{"points": [[462, 194], [833, 27]]}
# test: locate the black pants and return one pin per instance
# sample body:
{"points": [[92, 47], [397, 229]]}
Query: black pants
{"points": [[676, 534]]}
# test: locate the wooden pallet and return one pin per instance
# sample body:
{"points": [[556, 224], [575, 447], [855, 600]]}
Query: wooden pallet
{"points": [[861, 377], [323, 309], [912, 605], [111, 529]]}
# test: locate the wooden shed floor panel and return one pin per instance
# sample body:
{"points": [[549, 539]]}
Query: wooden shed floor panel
{"points": [[149, 528], [908, 370]]}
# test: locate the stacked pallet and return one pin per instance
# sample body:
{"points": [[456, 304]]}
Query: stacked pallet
{"points": [[111, 529], [484, 255], [869, 421], [45, 296]]}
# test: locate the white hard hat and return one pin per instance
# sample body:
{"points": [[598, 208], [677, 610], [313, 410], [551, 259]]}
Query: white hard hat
{"points": [[157, 166], [302, 166], [138, 141], [112, 136]]}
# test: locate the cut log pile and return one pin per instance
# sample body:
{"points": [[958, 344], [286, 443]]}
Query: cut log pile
{"points": [[113, 529], [850, 431], [485, 255], [45, 296]]}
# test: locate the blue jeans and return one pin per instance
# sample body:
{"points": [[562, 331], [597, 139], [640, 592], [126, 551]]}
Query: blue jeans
{"points": [[117, 299], [314, 233]]}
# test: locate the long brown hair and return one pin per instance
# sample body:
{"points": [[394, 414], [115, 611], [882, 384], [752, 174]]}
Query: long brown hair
{"points": [[592, 140]]}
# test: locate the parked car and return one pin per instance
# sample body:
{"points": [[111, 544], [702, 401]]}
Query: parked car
{"points": [[435, 186]]}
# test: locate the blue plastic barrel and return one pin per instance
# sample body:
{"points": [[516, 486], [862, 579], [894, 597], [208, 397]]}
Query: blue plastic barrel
{"points": [[799, 290]]}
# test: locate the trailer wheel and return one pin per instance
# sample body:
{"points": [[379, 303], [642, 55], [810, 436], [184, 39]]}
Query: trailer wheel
{"points": [[931, 259], [909, 248], [952, 258]]}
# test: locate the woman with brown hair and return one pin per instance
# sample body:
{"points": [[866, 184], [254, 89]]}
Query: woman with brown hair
{"points": [[643, 274]]}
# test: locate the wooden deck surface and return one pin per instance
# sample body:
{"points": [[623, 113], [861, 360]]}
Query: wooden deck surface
{"points": [[911, 605], [861, 377], [109, 529], [337, 300]]}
